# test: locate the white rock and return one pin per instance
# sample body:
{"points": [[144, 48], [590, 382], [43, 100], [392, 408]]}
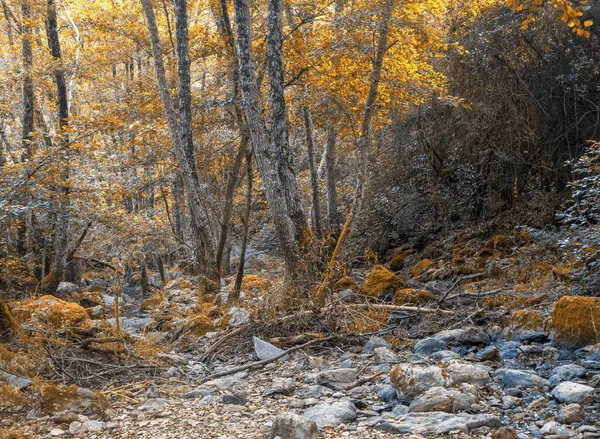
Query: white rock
{"points": [[332, 415], [570, 393], [293, 426]]}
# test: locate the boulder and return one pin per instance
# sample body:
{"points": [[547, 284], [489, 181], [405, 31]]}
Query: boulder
{"points": [[332, 415], [337, 378], [58, 398], [412, 381], [440, 399], [381, 281], [505, 433], [238, 316], [429, 345], [571, 414], [293, 426], [490, 353], [281, 386], [252, 282], [526, 324], [51, 312], [520, 378], [566, 372], [575, 321], [265, 350], [66, 288], [570, 392], [385, 355], [437, 423], [376, 342], [468, 373], [469, 336]]}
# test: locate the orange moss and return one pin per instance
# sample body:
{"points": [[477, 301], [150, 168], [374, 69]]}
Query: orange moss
{"points": [[413, 296], [11, 397], [19, 363], [198, 326], [178, 284], [420, 267], [511, 301], [380, 279], [397, 261], [346, 283], [527, 320], [89, 299], [252, 281], [52, 312], [503, 241], [576, 321], [208, 298], [151, 303]]}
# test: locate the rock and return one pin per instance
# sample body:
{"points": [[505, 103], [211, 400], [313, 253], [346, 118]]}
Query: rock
{"points": [[429, 345], [88, 426], [412, 296], [132, 325], [376, 342], [387, 393], [468, 373], [56, 432], [15, 381], [412, 381], [538, 404], [317, 391], [520, 378], [570, 392], [526, 324], [239, 316], [445, 356], [346, 295], [385, 355], [469, 336], [265, 350], [381, 281], [51, 312], [571, 414], [510, 402], [332, 415], [438, 423], [567, 372], [554, 428], [337, 378], [196, 393], [293, 426], [490, 353], [509, 350], [237, 398], [574, 321], [66, 288], [281, 386], [505, 433], [439, 399], [59, 398], [178, 284]]}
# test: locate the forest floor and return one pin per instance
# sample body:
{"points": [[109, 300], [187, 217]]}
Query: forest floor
{"points": [[462, 350]]}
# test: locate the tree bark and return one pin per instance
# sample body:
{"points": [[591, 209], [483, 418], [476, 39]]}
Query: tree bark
{"points": [[330, 184], [314, 178], [27, 120], [61, 233], [266, 156], [278, 119], [181, 133], [235, 292]]}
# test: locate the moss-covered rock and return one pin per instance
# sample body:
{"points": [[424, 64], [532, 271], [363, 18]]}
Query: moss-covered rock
{"points": [[419, 268], [413, 296], [381, 280], [527, 320], [51, 312], [253, 282], [346, 283], [398, 260], [576, 321], [58, 398]]}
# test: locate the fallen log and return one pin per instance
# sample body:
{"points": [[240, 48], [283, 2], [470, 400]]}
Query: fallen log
{"points": [[402, 308]]}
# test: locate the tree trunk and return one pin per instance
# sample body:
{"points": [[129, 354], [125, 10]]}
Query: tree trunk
{"points": [[314, 178], [330, 184], [178, 206], [61, 232], [27, 54], [278, 119], [181, 133], [266, 156], [229, 190], [144, 277], [364, 139], [235, 292]]}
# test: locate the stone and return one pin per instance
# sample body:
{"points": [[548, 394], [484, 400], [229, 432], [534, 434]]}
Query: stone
{"points": [[438, 423], [346, 295], [439, 399], [65, 288], [490, 353], [385, 355], [538, 404], [468, 373], [429, 345], [332, 415], [88, 426], [376, 342], [412, 381], [510, 402], [574, 321], [520, 378], [293, 426], [57, 432], [132, 325], [239, 316], [317, 391], [380, 281], [509, 350], [554, 428], [281, 386], [337, 378], [571, 392], [387, 393], [505, 433], [469, 336], [571, 414], [567, 372], [265, 350], [15, 381], [237, 398]]}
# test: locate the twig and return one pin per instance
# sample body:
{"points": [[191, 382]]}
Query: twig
{"points": [[261, 363], [470, 276], [403, 308], [363, 381]]}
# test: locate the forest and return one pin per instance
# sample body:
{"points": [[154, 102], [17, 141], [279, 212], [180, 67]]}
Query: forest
{"points": [[300, 219]]}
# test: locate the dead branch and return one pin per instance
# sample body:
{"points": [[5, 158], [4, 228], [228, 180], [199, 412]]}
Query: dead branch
{"points": [[262, 363], [363, 381], [469, 276], [402, 308], [296, 339]]}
